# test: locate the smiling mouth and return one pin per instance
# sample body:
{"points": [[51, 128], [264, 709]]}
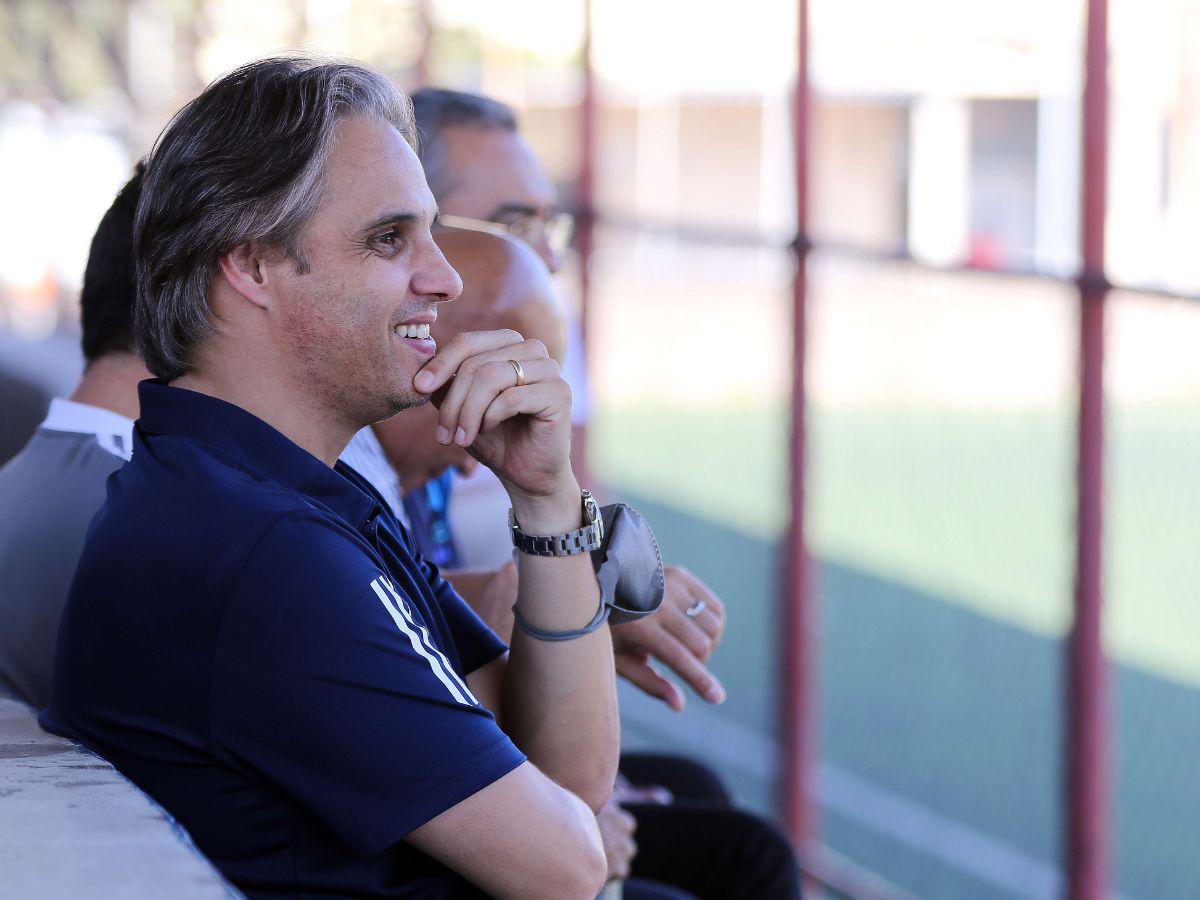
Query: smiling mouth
{"points": [[412, 331]]}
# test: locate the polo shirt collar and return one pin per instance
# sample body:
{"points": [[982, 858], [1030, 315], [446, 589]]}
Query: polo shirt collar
{"points": [[170, 410]]}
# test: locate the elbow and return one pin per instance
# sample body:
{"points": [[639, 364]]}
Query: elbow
{"points": [[593, 873], [595, 787], [597, 794], [586, 866], [579, 873], [587, 875]]}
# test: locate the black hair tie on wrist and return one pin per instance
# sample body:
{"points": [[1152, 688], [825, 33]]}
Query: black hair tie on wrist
{"points": [[542, 635]]}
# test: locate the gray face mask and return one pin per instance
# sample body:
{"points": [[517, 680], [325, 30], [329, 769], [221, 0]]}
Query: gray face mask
{"points": [[628, 565]]}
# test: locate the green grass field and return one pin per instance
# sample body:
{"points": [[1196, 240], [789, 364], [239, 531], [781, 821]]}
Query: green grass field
{"points": [[944, 549]]}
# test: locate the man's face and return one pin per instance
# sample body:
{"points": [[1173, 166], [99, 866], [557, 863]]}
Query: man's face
{"points": [[493, 174], [374, 277]]}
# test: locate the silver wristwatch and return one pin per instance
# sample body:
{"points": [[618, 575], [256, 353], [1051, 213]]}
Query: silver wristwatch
{"points": [[572, 543]]}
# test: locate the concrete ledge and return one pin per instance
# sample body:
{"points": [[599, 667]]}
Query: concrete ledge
{"points": [[72, 826]]}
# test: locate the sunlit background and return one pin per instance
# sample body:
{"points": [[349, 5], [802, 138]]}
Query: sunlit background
{"points": [[942, 393]]}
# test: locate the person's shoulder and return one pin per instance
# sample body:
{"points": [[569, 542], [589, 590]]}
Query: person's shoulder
{"points": [[185, 505], [48, 493], [55, 475], [55, 454], [305, 534], [311, 568], [186, 474]]}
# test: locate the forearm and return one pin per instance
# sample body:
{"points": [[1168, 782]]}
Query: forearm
{"points": [[560, 696], [505, 399], [522, 816]]}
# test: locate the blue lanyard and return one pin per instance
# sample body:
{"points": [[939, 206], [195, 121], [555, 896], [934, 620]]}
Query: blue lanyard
{"points": [[437, 493]]}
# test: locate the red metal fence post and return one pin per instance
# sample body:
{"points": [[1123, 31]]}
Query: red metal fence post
{"points": [[797, 651], [1088, 757]]}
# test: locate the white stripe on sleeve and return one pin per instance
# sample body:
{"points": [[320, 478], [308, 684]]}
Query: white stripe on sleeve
{"points": [[425, 636], [402, 623]]}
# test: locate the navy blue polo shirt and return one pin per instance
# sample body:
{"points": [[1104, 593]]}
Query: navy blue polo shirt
{"points": [[253, 640]]}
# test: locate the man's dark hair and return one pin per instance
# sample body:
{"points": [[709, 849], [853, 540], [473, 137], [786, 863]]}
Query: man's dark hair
{"points": [[436, 109], [243, 162], [106, 301]]}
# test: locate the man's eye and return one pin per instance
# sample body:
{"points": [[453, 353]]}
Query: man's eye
{"points": [[388, 238]]}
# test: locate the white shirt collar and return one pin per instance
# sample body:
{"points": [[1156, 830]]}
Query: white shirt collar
{"points": [[113, 431]]}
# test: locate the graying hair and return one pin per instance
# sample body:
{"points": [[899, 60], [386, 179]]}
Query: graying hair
{"points": [[437, 109], [243, 162]]}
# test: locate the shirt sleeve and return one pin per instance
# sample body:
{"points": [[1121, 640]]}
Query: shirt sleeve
{"points": [[328, 685]]}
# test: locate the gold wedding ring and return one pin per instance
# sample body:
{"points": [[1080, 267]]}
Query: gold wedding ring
{"points": [[520, 372]]}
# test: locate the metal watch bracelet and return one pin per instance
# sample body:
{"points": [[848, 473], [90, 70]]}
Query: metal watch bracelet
{"points": [[570, 543]]}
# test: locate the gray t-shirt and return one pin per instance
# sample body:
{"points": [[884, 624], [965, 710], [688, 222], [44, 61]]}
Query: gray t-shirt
{"points": [[49, 493]]}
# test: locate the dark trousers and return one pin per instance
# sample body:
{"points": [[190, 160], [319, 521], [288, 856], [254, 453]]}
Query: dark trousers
{"points": [[683, 777], [702, 845]]}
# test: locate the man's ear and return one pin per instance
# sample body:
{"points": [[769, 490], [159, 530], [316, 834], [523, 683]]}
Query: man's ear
{"points": [[246, 268]]}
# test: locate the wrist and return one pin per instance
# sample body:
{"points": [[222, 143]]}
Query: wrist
{"points": [[551, 513]]}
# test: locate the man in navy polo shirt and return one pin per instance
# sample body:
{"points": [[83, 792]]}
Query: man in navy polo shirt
{"points": [[250, 635]]}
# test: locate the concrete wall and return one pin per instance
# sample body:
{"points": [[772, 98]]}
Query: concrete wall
{"points": [[72, 826]]}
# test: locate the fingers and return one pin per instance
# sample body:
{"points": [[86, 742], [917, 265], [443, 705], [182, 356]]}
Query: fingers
{"points": [[698, 633], [481, 378], [653, 794], [626, 822], [464, 345], [684, 664], [663, 636], [641, 674], [625, 792], [686, 590], [617, 827], [691, 634], [493, 397], [618, 868], [620, 855], [543, 401]]}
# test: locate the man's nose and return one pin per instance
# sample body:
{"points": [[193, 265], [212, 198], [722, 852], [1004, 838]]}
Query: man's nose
{"points": [[435, 277]]}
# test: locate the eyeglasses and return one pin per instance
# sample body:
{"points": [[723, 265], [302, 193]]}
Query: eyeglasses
{"points": [[555, 229]]}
